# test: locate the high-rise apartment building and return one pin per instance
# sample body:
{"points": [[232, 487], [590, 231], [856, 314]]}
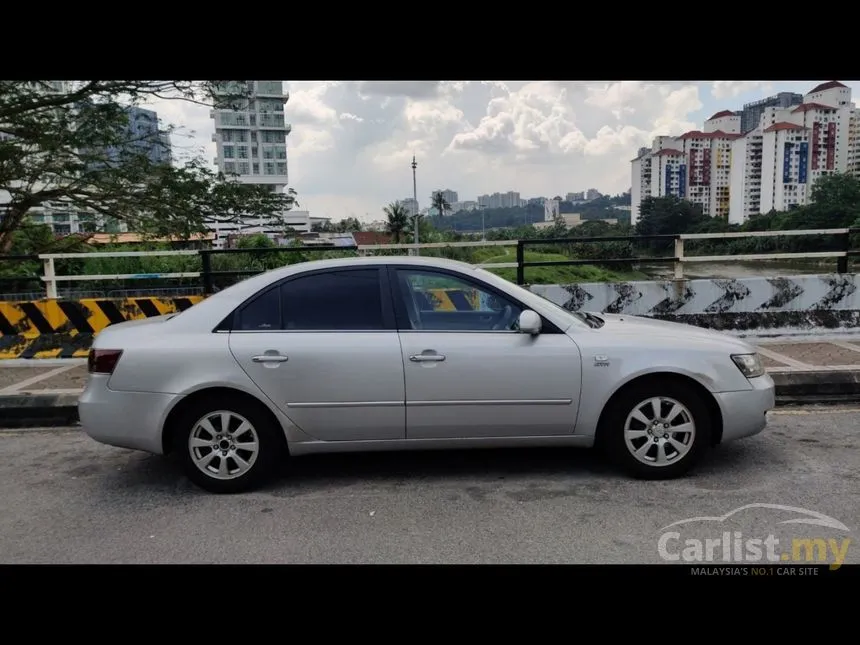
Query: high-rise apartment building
{"points": [[65, 218], [450, 196], [510, 199], [410, 205], [466, 205], [854, 143], [799, 145], [735, 174], [143, 136], [751, 114], [251, 141]]}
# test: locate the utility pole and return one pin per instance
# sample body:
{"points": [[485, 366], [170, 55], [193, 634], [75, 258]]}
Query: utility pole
{"points": [[415, 204]]}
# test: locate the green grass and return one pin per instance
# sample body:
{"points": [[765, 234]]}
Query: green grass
{"points": [[553, 275]]}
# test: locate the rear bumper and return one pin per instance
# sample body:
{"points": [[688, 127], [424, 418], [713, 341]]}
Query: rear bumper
{"points": [[131, 420], [745, 413]]}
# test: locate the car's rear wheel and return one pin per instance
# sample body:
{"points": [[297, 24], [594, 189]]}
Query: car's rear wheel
{"points": [[227, 446], [658, 429]]}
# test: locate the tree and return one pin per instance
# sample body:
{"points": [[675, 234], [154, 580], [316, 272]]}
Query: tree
{"points": [[74, 146], [397, 220], [835, 201], [559, 226], [668, 215], [438, 201]]}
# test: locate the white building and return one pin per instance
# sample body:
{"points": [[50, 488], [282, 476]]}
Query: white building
{"points": [[773, 166], [251, 141], [745, 198], [551, 209], [409, 204], [510, 199], [450, 196], [467, 205], [854, 143], [799, 145]]}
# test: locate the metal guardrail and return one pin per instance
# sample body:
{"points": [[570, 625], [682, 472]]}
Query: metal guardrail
{"points": [[678, 259], [208, 275]]}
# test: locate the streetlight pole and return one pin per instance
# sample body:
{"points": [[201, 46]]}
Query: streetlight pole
{"points": [[415, 204]]}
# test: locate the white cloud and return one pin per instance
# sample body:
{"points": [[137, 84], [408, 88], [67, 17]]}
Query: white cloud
{"points": [[352, 142], [731, 89]]}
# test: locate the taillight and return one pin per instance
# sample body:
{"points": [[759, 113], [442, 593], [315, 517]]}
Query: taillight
{"points": [[103, 361]]}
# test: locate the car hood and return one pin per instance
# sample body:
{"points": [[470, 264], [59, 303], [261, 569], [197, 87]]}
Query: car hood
{"points": [[650, 328]]}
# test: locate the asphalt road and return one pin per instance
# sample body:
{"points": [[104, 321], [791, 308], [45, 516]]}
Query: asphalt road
{"points": [[67, 499]]}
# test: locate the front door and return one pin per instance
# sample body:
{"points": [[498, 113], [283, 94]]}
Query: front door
{"points": [[469, 373], [324, 348]]}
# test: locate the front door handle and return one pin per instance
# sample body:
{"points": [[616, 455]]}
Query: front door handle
{"points": [[270, 358], [427, 358]]}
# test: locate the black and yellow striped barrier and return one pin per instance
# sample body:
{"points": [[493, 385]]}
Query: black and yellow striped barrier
{"points": [[66, 328], [447, 300]]}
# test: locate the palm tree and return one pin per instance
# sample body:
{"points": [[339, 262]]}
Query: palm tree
{"points": [[397, 220], [438, 201]]}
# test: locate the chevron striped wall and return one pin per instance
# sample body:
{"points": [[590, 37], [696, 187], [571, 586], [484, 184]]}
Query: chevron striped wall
{"points": [[795, 303]]}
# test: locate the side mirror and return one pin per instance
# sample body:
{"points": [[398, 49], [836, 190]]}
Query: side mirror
{"points": [[529, 323]]}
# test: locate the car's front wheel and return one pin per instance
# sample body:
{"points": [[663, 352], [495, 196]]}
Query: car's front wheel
{"points": [[227, 446], [658, 429]]}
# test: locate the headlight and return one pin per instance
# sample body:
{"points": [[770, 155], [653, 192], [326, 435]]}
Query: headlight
{"points": [[749, 364]]}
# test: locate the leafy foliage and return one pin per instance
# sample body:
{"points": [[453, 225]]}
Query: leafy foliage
{"points": [[74, 146], [397, 221]]}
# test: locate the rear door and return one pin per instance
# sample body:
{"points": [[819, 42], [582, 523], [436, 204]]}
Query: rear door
{"points": [[323, 346]]}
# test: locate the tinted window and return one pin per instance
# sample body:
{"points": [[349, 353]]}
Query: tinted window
{"points": [[347, 300], [261, 314]]}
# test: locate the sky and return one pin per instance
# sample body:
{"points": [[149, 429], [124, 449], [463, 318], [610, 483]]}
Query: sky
{"points": [[352, 142]]}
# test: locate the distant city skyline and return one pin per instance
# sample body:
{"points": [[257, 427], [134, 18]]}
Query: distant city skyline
{"points": [[352, 142]]}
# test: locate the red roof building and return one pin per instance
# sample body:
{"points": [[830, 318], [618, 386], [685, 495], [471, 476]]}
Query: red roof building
{"points": [[829, 85], [784, 125]]}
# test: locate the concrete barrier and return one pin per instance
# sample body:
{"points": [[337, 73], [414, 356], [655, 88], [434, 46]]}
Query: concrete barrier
{"points": [[66, 328], [755, 306]]}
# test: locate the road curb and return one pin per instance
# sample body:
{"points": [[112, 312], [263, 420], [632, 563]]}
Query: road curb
{"points": [[29, 409], [792, 388], [823, 384]]}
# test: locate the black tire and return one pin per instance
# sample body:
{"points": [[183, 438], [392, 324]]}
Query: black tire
{"points": [[696, 411], [269, 451]]}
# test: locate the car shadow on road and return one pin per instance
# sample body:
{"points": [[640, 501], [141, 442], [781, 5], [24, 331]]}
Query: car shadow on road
{"points": [[317, 473]]}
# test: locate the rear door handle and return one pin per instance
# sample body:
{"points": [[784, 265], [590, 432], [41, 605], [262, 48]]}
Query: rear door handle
{"points": [[427, 358], [270, 358]]}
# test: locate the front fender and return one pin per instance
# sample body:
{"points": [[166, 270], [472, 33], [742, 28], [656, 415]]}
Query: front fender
{"points": [[601, 380]]}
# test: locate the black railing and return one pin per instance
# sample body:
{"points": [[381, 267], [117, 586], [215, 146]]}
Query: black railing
{"points": [[521, 255]]}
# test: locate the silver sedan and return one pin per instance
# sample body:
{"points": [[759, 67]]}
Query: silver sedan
{"points": [[391, 353]]}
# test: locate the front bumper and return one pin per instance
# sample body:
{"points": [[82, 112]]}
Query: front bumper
{"points": [[745, 413], [131, 420]]}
